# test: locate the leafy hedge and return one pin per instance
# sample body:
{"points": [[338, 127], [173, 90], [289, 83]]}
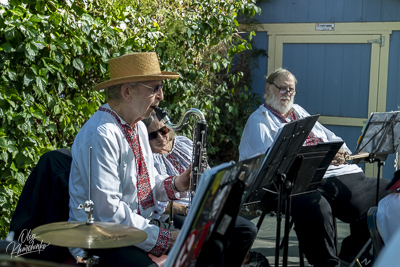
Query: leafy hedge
{"points": [[53, 52]]}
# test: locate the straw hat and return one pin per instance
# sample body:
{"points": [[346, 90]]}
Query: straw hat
{"points": [[134, 67]]}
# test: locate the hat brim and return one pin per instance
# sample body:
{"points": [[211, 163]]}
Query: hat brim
{"points": [[165, 75]]}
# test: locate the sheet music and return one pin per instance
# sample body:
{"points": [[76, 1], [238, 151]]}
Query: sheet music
{"points": [[380, 135], [210, 214], [183, 251], [280, 156]]}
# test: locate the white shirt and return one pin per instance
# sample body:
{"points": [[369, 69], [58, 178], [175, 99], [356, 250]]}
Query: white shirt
{"points": [[263, 126], [114, 178], [173, 163], [388, 216], [389, 255]]}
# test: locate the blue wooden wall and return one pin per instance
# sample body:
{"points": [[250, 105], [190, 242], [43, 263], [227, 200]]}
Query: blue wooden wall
{"points": [[319, 11]]}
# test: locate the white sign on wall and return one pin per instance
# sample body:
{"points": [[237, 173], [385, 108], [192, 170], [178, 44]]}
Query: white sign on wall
{"points": [[325, 26]]}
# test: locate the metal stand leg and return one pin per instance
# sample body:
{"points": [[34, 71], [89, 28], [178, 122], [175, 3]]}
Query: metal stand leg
{"points": [[380, 164], [360, 253]]}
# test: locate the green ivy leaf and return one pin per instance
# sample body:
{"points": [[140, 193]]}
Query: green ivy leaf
{"points": [[30, 51], [38, 114], [20, 178], [12, 75], [3, 142], [7, 47], [12, 167], [41, 83], [78, 64], [60, 87], [28, 79]]}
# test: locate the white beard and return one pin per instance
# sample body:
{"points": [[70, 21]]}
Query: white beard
{"points": [[275, 103]]}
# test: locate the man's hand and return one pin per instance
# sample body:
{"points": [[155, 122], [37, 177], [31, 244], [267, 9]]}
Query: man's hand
{"points": [[178, 208], [174, 236], [182, 181], [339, 158]]}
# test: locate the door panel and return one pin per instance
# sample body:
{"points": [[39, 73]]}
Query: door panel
{"points": [[337, 78], [334, 73]]}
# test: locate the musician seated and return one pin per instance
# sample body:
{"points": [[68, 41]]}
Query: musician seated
{"points": [[388, 214], [124, 182], [345, 192], [172, 155]]}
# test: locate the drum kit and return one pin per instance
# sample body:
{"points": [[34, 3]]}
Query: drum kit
{"points": [[77, 234]]}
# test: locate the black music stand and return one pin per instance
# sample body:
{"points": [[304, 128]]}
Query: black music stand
{"points": [[304, 177], [315, 160], [212, 215], [380, 137], [279, 157], [278, 171]]}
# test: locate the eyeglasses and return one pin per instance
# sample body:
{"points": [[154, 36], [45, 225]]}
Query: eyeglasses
{"points": [[163, 130], [155, 89], [291, 91]]}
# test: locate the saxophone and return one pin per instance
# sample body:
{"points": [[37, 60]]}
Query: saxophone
{"points": [[199, 155]]}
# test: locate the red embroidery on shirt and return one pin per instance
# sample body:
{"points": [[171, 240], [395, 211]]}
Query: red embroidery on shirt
{"points": [[169, 189], [176, 164], [162, 244], [145, 194], [311, 138]]}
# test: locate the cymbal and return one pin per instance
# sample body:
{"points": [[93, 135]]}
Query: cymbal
{"points": [[89, 236]]}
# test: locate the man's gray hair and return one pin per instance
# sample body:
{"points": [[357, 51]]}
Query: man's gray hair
{"points": [[277, 73], [114, 92]]}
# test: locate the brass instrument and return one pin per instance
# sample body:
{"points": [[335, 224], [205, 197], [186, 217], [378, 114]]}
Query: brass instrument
{"points": [[199, 142]]}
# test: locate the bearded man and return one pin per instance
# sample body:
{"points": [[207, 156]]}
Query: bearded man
{"points": [[345, 192]]}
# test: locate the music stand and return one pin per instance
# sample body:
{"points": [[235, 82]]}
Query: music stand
{"points": [[315, 160], [280, 157], [212, 215], [380, 137], [304, 177]]}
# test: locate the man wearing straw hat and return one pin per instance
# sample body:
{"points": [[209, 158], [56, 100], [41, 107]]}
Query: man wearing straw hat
{"points": [[124, 183]]}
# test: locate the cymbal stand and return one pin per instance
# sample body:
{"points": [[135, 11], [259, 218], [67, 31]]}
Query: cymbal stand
{"points": [[88, 206], [90, 260]]}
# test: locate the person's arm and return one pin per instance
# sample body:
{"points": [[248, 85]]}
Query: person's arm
{"points": [[322, 132], [113, 190], [257, 137]]}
